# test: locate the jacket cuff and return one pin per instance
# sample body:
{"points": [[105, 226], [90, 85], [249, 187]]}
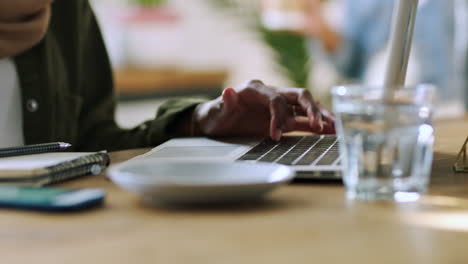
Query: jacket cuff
{"points": [[162, 127]]}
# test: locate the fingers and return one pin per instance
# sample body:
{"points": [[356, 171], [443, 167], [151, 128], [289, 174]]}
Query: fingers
{"points": [[316, 113], [293, 120], [230, 100], [297, 96], [279, 112], [284, 105], [256, 92], [302, 124], [295, 110], [299, 124], [326, 115]]}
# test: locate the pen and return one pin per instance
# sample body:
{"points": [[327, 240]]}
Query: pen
{"points": [[33, 149]]}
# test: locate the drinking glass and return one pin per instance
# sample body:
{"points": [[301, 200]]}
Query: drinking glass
{"points": [[386, 140]]}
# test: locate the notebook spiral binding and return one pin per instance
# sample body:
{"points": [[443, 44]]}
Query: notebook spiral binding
{"points": [[92, 164]]}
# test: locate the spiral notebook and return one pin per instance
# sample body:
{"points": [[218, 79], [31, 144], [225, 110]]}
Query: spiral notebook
{"points": [[49, 168]]}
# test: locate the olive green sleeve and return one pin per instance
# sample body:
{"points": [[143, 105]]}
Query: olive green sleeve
{"points": [[162, 128]]}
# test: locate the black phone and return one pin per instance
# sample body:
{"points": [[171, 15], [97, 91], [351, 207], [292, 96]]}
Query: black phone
{"points": [[49, 198]]}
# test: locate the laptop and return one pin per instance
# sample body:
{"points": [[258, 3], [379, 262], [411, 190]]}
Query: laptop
{"points": [[311, 157]]}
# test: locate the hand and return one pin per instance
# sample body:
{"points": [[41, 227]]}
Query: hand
{"points": [[255, 109]]}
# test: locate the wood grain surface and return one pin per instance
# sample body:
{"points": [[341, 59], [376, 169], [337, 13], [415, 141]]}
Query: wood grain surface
{"points": [[299, 223]]}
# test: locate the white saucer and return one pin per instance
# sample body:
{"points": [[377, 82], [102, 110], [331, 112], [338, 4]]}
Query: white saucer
{"points": [[190, 182]]}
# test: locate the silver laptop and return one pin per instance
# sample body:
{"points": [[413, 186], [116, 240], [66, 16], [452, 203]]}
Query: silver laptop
{"points": [[312, 157]]}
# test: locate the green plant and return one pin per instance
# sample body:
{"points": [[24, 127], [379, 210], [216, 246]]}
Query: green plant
{"points": [[148, 2], [291, 54]]}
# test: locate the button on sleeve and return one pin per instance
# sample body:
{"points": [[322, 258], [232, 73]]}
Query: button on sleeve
{"points": [[32, 105]]}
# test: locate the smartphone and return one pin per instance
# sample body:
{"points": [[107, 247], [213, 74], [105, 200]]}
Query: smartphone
{"points": [[49, 198]]}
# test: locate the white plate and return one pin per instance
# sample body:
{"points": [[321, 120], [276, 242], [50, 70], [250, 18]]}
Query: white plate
{"points": [[199, 182]]}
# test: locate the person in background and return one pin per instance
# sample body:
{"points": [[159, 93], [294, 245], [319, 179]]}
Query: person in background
{"points": [[56, 85], [365, 32]]}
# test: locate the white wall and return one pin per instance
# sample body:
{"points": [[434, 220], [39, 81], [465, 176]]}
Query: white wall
{"points": [[206, 38]]}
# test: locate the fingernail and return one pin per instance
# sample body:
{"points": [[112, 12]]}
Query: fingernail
{"points": [[278, 134]]}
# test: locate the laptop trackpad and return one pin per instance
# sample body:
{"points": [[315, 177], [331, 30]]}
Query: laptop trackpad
{"points": [[193, 152]]}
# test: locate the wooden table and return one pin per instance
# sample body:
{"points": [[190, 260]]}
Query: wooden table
{"points": [[300, 223]]}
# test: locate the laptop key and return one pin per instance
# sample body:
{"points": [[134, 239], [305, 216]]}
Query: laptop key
{"points": [[286, 144], [298, 150], [314, 153], [259, 150], [331, 156]]}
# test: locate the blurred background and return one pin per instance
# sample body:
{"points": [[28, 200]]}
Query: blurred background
{"points": [[165, 48]]}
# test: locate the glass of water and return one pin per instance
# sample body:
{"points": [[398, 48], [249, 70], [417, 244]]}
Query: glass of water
{"points": [[386, 140]]}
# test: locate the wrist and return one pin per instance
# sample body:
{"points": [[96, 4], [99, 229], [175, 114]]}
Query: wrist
{"points": [[195, 120], [203, 119]]}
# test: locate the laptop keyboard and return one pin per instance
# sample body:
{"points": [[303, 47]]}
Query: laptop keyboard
{"points": [[296, 151]]}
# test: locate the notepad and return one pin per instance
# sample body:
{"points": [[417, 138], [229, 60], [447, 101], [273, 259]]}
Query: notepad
{"points": [[48, 168]]}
